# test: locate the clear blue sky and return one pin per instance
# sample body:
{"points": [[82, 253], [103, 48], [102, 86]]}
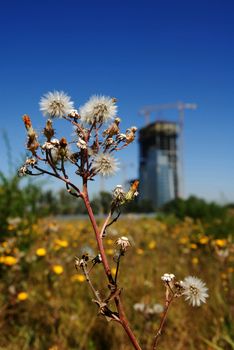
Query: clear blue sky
{"points": [[142, 52]]}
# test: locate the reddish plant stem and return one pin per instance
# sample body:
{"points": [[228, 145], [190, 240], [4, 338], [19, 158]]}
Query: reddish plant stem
{"points": [[122, 316], [163, 319]]}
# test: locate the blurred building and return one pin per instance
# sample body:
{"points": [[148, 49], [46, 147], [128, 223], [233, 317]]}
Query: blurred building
{"points": [[159, 164]]}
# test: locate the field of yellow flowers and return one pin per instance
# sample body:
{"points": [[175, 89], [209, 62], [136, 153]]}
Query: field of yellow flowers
{"points": [[46, 304]]}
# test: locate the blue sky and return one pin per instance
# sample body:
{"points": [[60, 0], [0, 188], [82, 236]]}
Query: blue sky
{"points": [[142, 52]]}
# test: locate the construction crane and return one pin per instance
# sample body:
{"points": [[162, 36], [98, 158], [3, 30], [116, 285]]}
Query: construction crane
{"points": [[181, 107]]}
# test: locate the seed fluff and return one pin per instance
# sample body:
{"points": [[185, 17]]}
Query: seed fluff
{"points": [[195, 290], [98, 109], [56, 104], [105, 164]]}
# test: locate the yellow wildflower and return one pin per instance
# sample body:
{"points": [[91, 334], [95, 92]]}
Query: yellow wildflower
{"points": [[58, 269], [224, 276], [152, 245], [204, 240], [113, 270], [183, 240], [78, 278], [221, 242], [195, 261], [140, 251], [193, 246], [61, 243], [22, 296], [109, 241], [9, 260], [41, 252]]}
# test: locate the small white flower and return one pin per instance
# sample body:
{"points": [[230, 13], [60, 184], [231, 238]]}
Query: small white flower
{"points": [[99, 109], [195, 290], [56, 104], [23, 170], [105, 164], [73, 113], [123, 242], [139, 307], [167, 277], [81, 143], [54, 143], [47, 145], [158, 308], [14, 221], [31, 162]]}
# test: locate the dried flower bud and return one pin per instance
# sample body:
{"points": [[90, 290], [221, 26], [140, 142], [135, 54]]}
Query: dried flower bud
{"points": [[109, 141], [63, 142], [132, 193], [130, 134], [23, 171], [74, 114], [123, 243], [32, 144], [80, 263], [121, 137], [113, 129], [31, 162], [63, 148], [48, 130], [27, 121], [97, 259], [168, 277], [118, 195]]}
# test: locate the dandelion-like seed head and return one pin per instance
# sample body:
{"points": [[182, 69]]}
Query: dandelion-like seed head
{"points": [[98, 109], [105, 164], [195, 290], [56, 104]]}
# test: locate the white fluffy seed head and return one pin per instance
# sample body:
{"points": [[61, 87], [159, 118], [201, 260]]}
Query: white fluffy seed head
{"points": [[98, 109], [105, 164], [56, 104], [195, 290]]}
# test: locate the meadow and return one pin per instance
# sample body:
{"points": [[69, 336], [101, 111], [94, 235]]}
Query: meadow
{"points": [[46, 304]]}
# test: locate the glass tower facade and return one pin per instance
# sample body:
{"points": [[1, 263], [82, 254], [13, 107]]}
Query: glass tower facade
{"points": [[159, 162]]}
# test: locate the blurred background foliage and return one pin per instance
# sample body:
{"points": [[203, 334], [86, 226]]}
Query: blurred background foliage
{"points": [[31, 201], [46, 304]]}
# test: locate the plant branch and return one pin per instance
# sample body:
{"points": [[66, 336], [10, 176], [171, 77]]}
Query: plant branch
{"points": [[163, 319], [122, 316]]}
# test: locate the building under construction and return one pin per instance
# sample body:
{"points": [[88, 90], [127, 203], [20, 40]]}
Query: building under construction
{"points": [[159, 162]]}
